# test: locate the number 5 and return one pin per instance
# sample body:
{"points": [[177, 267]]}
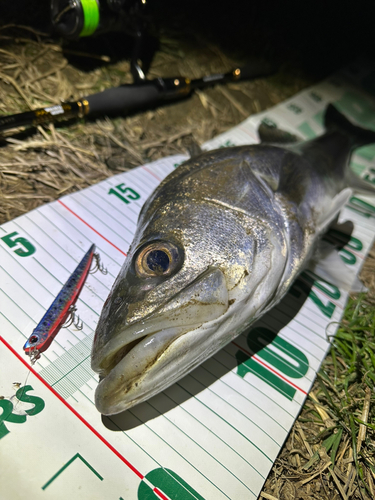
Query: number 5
{"points": [[28, 248]]}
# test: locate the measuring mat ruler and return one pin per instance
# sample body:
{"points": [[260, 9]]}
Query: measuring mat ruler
{"points": [[216, 433]]}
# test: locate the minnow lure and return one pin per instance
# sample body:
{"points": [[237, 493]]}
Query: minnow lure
{"points": [[62, 307]]}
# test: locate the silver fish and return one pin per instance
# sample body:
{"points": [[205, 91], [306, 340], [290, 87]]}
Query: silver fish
{"points": [[218, 244]]}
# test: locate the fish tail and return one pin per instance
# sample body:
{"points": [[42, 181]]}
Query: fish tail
{"points": [[336, 121]]}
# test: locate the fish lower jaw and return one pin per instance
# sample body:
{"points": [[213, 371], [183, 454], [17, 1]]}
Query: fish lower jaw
{"points": [[122, 385], [155, 341], [138, 377]]}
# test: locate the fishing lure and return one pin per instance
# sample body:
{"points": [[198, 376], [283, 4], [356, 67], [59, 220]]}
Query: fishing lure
{"points": [[61, 312]]}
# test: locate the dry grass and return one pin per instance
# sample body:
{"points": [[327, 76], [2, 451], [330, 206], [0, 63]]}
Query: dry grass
{"points": [[41, 166], [329, 453]]}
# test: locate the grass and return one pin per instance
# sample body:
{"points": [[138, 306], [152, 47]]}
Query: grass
{"points": [[330, 452], [346, 383]]}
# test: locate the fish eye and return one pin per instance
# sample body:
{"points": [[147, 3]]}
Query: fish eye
{"points": [[156, 259], [33, 339]]}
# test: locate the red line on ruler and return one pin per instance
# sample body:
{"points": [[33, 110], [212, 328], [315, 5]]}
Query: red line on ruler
{"points": [[248, 132], [152, 173], [160, 493], [336, 304], [254, 356], [89, 426], [354, 252], [88, 225]]}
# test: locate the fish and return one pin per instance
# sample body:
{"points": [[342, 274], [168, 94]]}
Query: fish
{"points": [[61, 308], [217, 245]]}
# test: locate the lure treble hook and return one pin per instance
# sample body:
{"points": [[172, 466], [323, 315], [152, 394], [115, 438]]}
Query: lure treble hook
{"points": [[73, 319], [98, 266]]}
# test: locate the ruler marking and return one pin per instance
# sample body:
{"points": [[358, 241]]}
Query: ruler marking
{"points": [[65, 236], [114, 208], [254, 355], [160, 493], [151, 173], [216, 435], [239, 411], [289, 329], [76, 261], [256, 358], [269, 322], [226, 421], [88, 225], [221, 379], [98, 218], [201, 447], [244, 381], [66, 221], [161, 439], [139, 180], [75, 412]]}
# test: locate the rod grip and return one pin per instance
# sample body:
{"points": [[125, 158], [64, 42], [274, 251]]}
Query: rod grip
{"points": [[124, 97]]}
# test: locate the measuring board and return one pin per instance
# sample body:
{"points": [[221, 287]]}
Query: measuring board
{"points": [[216, 433]]}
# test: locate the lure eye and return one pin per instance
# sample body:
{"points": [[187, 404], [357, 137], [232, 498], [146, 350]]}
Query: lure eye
{"points": [[157, 259], [33, 339]]}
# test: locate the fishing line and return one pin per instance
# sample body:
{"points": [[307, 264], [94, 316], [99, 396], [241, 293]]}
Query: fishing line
{"points": [[34, 356], [91, 17]]}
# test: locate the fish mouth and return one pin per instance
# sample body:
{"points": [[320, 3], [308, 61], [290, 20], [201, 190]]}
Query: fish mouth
{"points": [[142, 359], [114, 354], [123, 384], [109, 363]]}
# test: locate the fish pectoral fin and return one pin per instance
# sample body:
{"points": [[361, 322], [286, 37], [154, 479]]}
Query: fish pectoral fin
{"points": [[274, 135], [332, 269], [358, 184], [268, 183], [337, 204]]}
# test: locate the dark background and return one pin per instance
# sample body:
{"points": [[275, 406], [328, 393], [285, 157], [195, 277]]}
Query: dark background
{"points": [[317, 37]]}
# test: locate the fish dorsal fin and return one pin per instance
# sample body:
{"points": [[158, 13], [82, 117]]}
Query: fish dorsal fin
{"points": [[274, 135], [337, 203], [194, 149]]}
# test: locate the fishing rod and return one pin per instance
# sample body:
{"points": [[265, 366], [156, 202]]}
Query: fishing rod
{"points": [[130, 97]]}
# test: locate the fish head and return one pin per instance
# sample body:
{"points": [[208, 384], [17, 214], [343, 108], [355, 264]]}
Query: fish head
{"points": [[195, 275]]}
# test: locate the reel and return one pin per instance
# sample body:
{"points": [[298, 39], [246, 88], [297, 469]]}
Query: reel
{"points": [[75, 19]]}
